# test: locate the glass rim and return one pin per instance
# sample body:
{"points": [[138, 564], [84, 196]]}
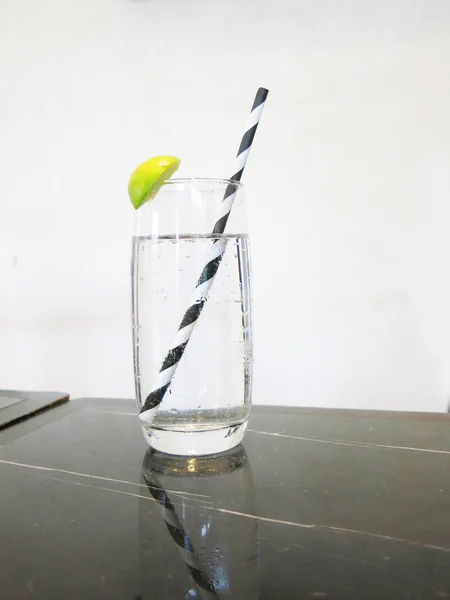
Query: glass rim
{"points": [[183, 180]]}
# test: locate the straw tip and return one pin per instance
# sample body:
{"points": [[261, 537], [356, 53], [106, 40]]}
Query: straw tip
{"points": [[260, 97]]}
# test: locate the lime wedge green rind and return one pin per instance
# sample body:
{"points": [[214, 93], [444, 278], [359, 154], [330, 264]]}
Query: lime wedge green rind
{"points": [[148, 178]]}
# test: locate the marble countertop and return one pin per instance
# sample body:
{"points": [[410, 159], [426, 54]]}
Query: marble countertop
{"points": [[318, 503]]}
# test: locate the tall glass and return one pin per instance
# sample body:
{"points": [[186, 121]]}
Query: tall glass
{"points": [[200, 374]]}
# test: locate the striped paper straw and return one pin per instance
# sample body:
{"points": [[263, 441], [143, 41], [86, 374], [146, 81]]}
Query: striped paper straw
{"points": [[181, 538], [205, 281]]}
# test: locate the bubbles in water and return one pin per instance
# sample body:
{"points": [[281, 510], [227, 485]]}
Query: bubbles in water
{"points": [[157, 273]]}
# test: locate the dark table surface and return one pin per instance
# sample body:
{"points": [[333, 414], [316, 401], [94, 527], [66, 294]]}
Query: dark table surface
{"points": [[318, 503]]}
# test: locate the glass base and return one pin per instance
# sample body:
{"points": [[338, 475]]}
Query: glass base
{"points": [[197, 443]]}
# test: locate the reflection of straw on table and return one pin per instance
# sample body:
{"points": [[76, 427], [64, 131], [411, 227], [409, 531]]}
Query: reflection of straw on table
{"points": [[174, 355], [181, 538]]}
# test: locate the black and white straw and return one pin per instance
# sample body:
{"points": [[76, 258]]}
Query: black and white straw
{"points": [[205, 281], [181, 538]]}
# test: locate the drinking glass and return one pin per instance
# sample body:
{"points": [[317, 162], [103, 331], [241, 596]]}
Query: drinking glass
{"points": [[192, 318]]}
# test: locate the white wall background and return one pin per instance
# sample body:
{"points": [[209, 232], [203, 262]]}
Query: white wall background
{"points": [[348, 184]]}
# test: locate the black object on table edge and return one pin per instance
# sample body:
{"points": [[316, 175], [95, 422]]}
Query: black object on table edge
{"points": [[16, 406]]}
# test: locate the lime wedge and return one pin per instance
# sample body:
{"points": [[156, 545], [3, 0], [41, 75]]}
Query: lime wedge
{"points": [[149, 177]]}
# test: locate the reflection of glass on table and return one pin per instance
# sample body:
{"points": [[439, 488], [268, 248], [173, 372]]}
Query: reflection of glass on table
{"points": [[193, 544]]}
